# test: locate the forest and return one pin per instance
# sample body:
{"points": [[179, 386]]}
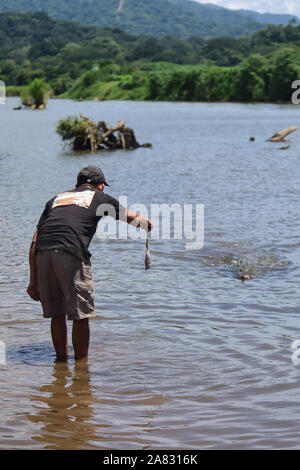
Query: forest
{"points": [[87, 62], [183, 18]]}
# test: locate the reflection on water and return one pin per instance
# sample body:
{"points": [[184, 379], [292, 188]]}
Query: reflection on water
{"points": [[63, 409], [184, 355]]}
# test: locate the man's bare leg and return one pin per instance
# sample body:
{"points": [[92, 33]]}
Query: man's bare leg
{"points": [[59, 337], [81, 338]]}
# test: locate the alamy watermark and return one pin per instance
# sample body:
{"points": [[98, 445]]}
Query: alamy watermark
{"points": [[176, 221], [296, 354], [2, 92], [2, 353], [296, 94]]}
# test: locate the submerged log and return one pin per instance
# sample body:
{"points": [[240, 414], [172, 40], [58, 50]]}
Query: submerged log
{"points": [[85, 134], [285, 147], [280, 136]]}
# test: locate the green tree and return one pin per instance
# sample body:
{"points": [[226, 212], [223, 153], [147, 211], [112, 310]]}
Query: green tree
{"points": [[283, 74], [250, 84]]}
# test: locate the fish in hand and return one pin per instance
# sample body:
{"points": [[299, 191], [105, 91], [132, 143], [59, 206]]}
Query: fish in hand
{"points": [[147, 257]]}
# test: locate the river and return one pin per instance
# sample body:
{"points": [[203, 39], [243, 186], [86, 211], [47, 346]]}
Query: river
{"points": [[186, 355]]}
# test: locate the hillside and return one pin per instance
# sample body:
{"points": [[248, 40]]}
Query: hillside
{"points": [[182, 18], [271, 18], [85, 62], [215, 13]]}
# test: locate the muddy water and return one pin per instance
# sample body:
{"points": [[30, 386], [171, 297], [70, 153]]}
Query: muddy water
{"points": [[184, 355]]}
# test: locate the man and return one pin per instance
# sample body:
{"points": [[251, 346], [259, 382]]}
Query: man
{"points": [[59, 259]]}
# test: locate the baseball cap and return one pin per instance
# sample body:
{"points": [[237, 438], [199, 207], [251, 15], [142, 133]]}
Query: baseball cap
{"points": [[91, 174]]}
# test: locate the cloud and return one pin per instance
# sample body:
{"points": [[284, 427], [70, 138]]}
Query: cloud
{"points": [[270, 6]]}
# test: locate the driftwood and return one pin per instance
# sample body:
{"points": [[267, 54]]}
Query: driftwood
{"points": [[280, 136], [285, 147], [85, 134]]}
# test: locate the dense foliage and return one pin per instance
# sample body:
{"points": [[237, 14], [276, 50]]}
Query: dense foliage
{"points": [[253, 80], [86, 62], [158, 18]]}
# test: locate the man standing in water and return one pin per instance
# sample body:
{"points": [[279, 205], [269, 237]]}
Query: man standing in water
{"points": [[59, 259]]}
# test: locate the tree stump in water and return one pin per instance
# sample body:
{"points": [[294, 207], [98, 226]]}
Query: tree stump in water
{"points": [[84, 134], [128, 138]]}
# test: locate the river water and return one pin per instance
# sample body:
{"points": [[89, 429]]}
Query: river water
{"points": [[185, 355]]}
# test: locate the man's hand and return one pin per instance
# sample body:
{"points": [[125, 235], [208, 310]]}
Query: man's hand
{"points": [[144, 223], [33, 291], [137, 220]]}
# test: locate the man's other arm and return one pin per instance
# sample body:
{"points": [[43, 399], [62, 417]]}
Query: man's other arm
{"points": [[33, 290]]}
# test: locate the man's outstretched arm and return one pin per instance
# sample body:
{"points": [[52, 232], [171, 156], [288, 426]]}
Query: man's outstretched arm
{"points": [[33, 290]]}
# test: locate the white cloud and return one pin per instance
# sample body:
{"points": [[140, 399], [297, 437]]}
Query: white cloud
{"points": [[271, 6]]}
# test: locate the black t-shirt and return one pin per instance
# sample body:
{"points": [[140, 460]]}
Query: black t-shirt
{"points": [[70, 220]]}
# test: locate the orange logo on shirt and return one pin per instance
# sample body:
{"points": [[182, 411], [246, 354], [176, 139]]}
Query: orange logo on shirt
{"points": [[82, 199]]}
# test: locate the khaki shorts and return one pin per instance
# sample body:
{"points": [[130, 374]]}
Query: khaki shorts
{"points": [[65, 285]]}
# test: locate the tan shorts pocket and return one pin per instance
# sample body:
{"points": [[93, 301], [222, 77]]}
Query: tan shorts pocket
{"points": [[84, 287]]}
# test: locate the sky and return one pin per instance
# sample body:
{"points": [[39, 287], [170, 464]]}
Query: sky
{"points": [[271, 6]]}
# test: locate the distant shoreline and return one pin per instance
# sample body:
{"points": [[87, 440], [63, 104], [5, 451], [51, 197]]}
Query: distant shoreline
{"points": [[12, 92]]}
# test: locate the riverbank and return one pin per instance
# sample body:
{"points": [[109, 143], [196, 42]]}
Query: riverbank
{"points": [[253, 81]]}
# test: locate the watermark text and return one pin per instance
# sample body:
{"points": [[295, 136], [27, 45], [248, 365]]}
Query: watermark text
{"points": [[176, 221]]}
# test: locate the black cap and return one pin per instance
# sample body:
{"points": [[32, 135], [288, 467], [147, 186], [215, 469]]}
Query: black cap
{"points": [[91, 174]]}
